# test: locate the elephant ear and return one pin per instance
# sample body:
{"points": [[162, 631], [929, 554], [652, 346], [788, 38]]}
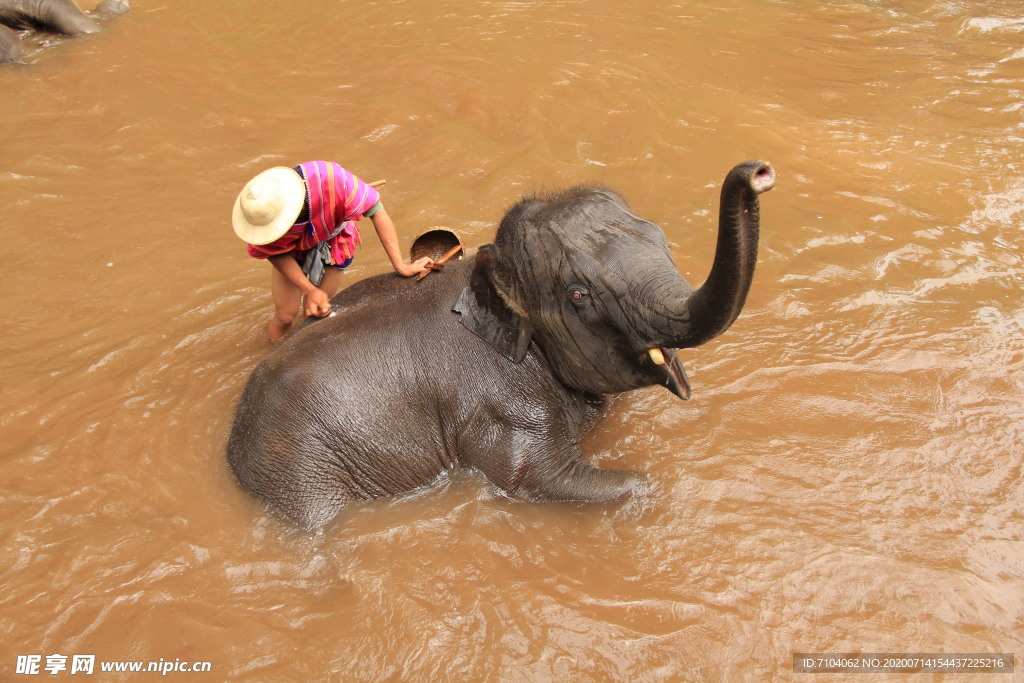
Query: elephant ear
{"points": [[488, 315]]}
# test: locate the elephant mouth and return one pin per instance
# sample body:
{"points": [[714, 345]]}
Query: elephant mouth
{"points": [[674, 379]]}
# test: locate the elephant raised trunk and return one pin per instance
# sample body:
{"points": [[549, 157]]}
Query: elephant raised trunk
{"points": [[713, 308]]}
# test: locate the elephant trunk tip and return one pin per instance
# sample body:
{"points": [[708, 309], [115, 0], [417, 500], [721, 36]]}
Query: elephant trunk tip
{"points": [[763, 178], [755, 176]]}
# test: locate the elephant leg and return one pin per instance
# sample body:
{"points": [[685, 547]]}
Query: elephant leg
{"points": [[539, 466], [65, 17], [575, 481], [11, 49], [308, 499], [307, 496], [288, 469]]}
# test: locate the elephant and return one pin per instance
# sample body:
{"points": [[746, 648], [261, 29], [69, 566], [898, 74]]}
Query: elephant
{"points": [[500, 362], [57, 16], [11, 49]]}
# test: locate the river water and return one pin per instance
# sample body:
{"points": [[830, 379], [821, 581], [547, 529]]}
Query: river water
{"points": [[849, 476]]}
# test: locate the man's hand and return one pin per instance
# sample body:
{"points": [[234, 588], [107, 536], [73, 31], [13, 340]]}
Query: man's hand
{"points": [[414, 268], [317, 303]]}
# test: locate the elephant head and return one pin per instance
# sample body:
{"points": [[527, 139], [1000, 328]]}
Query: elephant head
{"points": [[596, 288]]}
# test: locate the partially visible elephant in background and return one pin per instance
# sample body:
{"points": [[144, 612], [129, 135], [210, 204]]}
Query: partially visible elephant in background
{"points": [[56, 16], [11, 49], [499, 363]]}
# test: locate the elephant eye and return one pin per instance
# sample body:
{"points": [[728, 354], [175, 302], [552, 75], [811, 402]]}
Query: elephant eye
{"points": [[578, 294]]}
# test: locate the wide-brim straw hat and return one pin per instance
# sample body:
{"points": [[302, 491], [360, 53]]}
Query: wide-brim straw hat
{"points": [[268, 205]]}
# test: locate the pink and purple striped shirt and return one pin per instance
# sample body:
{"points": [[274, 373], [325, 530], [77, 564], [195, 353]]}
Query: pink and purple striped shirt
{"points": [[334, 197]]}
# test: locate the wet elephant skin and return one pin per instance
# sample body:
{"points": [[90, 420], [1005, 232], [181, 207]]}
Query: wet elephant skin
{"points": [[498, 363], [56, 16]]}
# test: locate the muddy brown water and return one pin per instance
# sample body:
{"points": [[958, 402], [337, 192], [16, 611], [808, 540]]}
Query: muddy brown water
{"points": [[847, 478]]}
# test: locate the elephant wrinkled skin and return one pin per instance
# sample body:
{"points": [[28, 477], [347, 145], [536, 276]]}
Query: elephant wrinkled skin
{"points": [[57, 16], [498, 363]]}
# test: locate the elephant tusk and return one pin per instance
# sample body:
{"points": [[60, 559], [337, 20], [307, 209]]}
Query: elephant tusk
{"points": [[657, 357]]}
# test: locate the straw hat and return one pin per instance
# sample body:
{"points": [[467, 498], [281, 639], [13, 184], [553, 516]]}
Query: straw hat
{"points": [[268, 205]]}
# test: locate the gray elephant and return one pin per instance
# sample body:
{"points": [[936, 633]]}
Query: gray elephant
{"points": [[499, 362], [56, 16]]}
